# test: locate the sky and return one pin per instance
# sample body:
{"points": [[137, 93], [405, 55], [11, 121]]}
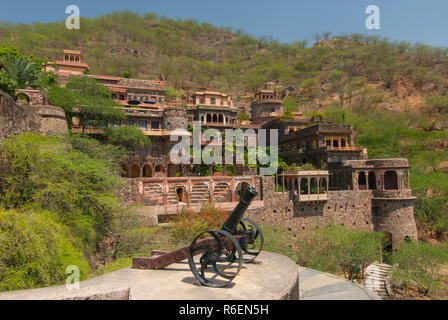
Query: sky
{"points": [[284, 20]]}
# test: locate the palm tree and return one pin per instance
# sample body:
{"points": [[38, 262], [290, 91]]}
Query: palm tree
{"points": [[25, 71]]}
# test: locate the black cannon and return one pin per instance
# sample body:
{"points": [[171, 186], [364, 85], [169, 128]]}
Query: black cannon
{"points": [[216, 256]]}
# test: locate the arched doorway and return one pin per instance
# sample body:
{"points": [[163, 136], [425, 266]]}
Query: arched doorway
{"points": [[313, 186], [372, 180], [323, 185], [135, 171], [390, 180], [303, 186], [147, 171], [159, 170], [181, 194], [362, 182]]}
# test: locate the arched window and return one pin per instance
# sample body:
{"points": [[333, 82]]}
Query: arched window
{"points": [[362, 184], [313, 186], [390, 180], [168, 126], [135, 171], [304, 186], [147, 171], [209, 118], [323, 185], [372, 180]]}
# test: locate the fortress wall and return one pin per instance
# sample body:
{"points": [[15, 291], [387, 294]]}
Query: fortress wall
{"points": [[395, 216], [349, 208], [18, 117], [51, 119]]}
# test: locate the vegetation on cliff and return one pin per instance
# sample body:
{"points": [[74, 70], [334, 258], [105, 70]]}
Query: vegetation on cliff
{"points": [[56, 202]]}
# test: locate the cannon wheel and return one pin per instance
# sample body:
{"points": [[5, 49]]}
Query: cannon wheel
{"points": [[220, 257], [252, 248]]}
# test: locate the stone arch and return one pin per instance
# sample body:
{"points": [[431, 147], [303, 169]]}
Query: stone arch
{"points": [[24, 97], [362, 181], [147, 171], [215, 118], [323, 185], [124, 170], [372, 180], [313, 185], [181, 193], [220, 118], [303, 186], [135, 171], [343, 143], [390, 180], [209, 117], [174, 170], [159, 169]]}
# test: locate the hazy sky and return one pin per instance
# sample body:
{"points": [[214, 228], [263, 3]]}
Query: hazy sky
{"points": [[285, 20]]}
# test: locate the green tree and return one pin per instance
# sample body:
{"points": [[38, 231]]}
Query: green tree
{"points": [[128, 136], [88, 101]]}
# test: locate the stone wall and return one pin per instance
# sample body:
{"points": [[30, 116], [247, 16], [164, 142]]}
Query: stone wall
{"points": [[349, 208], [361, 210], [395, 216], [18, 117]]}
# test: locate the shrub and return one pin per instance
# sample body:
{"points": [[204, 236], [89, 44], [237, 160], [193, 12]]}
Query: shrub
{"points": [[418, 264], [338, 249], [35, 250], [188, 224], [48, 173]]}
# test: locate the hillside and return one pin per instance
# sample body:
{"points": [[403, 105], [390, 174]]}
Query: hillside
{"points": [[393, 92], [346, 69]]}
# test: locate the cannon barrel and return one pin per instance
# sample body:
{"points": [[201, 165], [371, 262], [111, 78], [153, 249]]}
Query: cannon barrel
{"points": [[234, 219]]}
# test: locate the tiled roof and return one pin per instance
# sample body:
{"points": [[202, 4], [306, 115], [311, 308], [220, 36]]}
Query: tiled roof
{"points": [[74, 64]]}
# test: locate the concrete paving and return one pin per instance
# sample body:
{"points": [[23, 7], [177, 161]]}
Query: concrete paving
{"points": [[317, 285], [276, 278]]}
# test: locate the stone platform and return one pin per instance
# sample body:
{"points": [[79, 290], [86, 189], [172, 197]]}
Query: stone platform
{"points": [[277, 278]]}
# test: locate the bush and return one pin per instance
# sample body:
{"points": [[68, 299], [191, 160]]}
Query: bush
{"points": [[47, 173], [35, 250], [338, 249], [188, 224], [418, 264]]}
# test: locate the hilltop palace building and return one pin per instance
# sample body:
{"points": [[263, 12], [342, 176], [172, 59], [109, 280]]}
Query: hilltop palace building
{"points": [[346, 186]]}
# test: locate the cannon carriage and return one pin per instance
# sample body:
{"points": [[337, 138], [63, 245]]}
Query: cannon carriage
{"points": [[215, 257]]}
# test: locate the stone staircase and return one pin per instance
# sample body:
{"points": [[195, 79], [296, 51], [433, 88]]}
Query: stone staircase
{"points": [[172, 196], [222, 192], [377, 279], [199, 193], [153, 195]]}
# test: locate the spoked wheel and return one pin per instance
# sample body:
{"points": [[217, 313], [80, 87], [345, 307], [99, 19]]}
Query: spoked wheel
{"points": [[221, 258], [251, 245]]}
